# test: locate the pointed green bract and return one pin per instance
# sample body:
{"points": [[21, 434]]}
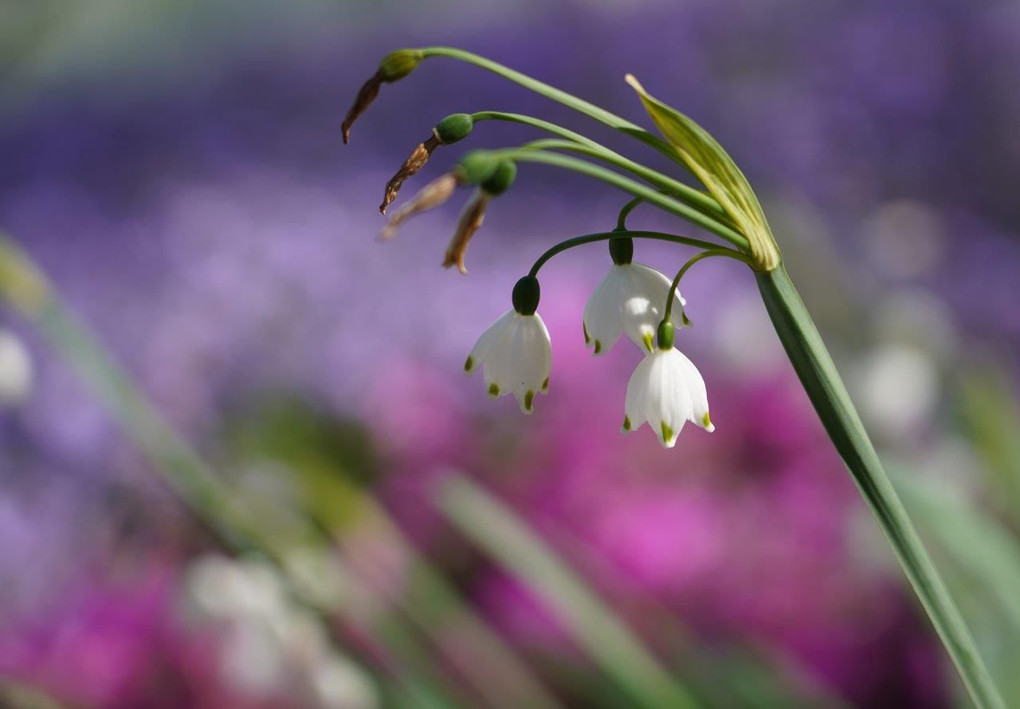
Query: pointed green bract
{"points": [[704, 157]]}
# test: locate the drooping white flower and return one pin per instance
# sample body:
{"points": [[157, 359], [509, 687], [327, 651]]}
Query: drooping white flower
{"points": [[629, 300], [516, 355], [666, 391], [515, 351]]}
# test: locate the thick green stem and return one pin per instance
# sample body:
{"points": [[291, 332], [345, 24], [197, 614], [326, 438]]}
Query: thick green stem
{"points": [[824, 387]]}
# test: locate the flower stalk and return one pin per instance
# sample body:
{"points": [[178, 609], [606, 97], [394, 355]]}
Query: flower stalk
{"points": [[828, 395]]}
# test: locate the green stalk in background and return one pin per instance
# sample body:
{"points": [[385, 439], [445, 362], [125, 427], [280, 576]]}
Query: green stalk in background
{"points": [[598, 631]]}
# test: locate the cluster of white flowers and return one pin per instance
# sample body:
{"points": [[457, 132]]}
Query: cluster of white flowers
{"points": [[271, 647], [666, 390]]}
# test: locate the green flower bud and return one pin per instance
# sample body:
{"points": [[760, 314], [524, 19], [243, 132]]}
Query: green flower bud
{"points": [[453, 128], [476, 167], [665, 335], [526, 295], [502, 177], [396, 65], [621, 250]]}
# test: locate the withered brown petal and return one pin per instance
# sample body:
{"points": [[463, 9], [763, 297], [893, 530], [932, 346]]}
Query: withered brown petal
{"points": [[412, 165], [470, 221], [431, 195], [366, 95]]}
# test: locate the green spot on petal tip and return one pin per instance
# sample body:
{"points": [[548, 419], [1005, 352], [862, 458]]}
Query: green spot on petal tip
{"points": [[626, 423], [545, 385], [468, 365], [707, 422], [667, 432], [494, 390], [598, 347], [529, 399], [587, 338], [649, 341]]}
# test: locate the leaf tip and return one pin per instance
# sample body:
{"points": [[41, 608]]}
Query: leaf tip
{"points": [[634, 83]]}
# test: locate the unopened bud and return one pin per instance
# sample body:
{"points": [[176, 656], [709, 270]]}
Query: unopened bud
{"points": [[453, 128], [393, 67], [431, 195], [502, 177], [413, 164], [396, 65], [470, 221], [476, 167]]}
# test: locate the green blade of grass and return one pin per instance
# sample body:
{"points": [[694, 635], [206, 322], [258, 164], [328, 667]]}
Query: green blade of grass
{"points": [[591, 622]]}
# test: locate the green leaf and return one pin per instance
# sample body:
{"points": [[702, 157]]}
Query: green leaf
{"points": [[704, 157]]}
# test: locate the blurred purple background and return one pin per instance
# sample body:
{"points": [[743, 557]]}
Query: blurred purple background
{"points": [[177, 170]]}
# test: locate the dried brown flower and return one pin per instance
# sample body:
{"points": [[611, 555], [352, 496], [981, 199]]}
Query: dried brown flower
{"points": [[431, 195], [470, 221], [413, 164], [366, 95]]}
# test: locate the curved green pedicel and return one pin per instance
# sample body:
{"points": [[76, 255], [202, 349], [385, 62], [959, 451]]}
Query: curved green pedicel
{"points": [[627, 185], [698, 199], [578, 104], [621, 234]]}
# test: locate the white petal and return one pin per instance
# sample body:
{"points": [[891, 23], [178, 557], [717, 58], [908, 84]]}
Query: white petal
{"points": [[602, 324], [668, 404], [646, 292], [637, 392], [695, 384], [534, 360], [487, 341]]}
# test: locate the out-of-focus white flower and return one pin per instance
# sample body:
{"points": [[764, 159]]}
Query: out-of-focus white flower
{"points": [[219, 587], [898, 387], [338, 684], [629, 300], [15, 370], [515, 351], [271, 646], [666, 390]]}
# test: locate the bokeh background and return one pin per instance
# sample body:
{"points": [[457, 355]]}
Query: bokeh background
{"points": [[378, 533]]}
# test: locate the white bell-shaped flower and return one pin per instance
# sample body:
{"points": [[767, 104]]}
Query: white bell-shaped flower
{"points": [[666, 391], [629, 300], [515, 352]]}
